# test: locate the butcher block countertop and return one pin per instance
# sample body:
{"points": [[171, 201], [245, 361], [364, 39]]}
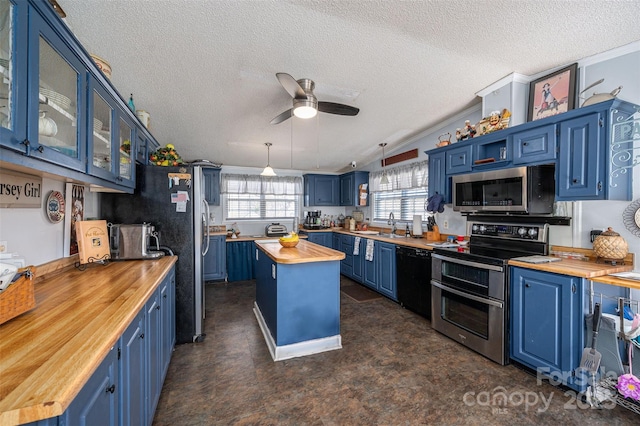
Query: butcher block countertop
{"points": [[304, 252], [576, 268], [49, 353]]}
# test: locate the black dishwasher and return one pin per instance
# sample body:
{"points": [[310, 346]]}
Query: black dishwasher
{"points": [[413, 275]]}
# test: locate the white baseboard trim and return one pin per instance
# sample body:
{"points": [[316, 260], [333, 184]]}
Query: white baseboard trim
{"points": [[294, 350]]}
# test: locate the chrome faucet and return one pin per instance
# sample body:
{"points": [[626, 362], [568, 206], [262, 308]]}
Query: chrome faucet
{"points": [[392, 222]]}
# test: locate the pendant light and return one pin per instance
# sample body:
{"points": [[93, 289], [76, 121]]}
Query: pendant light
{"points": [[268, 171], [384, 180]]}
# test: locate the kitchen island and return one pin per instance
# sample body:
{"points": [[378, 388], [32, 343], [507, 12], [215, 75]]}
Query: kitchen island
{"points": [[298, 298]]}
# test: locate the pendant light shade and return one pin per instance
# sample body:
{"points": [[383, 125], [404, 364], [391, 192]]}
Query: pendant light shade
{"points": [[384, 180], [268, 171]]}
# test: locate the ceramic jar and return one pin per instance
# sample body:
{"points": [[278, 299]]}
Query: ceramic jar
{"points": [[46, 126]]}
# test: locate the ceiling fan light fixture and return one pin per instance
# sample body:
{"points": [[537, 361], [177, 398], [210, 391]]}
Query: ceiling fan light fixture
{"points": [[305, 108], [268, 171]]}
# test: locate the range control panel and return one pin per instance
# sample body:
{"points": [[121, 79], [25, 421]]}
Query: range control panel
{"points": [[510, 231]]}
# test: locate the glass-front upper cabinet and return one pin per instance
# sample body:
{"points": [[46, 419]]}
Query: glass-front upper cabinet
{"points": [[13, 65], [126, 137], [57, 103], [101, 132]]}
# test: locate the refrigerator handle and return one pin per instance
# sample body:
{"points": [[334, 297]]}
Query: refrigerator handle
{"points": [[205, 223]]}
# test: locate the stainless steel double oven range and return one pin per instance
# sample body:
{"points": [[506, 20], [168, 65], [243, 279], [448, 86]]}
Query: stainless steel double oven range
{"points": [[470, 285]]}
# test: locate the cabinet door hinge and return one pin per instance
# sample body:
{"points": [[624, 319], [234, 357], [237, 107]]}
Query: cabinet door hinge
{"points": [[599, 186], [118, 353], [573, 288], [601, 122], [557, 131]]}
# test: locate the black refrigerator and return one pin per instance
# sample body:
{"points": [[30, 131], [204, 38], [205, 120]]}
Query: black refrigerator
{"points": [[172, 199]]}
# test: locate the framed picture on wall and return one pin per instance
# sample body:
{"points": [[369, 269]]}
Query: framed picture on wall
{"points": [[75, 208], [553, 94]]}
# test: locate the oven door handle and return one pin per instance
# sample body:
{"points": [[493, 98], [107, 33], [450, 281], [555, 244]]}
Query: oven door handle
{"points": [[467, 295], [468, 263]]}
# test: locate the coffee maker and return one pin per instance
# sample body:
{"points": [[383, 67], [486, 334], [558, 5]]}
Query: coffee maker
{"points": [[312, 220], [133, 241]]}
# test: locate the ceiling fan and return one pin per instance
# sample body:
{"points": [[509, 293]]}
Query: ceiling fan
{"points": [[305, 104]]}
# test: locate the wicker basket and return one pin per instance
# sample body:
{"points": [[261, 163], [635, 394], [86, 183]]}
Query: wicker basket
{"points": [[610, 245], [288, 244], [19, 297]]}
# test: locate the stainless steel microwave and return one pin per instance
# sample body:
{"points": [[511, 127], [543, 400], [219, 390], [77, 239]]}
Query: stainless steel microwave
{"points": [[526, 190]]}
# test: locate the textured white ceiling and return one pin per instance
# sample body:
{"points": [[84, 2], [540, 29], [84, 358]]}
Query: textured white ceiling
{"points": [[205, 69]]}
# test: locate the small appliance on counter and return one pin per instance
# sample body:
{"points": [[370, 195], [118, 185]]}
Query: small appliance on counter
{"points": [[312, 220], [275, 230], [129, 242]]}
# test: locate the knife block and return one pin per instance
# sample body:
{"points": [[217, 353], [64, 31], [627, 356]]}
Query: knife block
{"points": [[434, 235]]}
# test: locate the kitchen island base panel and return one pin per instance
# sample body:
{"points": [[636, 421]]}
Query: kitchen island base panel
{"points": [[294, 350]]}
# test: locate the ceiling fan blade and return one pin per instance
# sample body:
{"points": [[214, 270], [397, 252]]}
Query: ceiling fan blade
{"points": [[340, 109], [282, 117], [291, 85]]}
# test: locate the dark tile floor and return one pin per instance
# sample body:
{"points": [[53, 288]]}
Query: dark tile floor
{"points": [[393, 369]]}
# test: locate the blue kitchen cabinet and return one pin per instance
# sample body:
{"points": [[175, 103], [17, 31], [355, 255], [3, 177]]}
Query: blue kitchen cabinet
{"points": [[125, 388], [111, 159], [321, 190], [547, 332], [581, 171], [336, 245], [322, 238], [385, 259], [346, 264], [267, 291], [145, 145], [133, 409], [589, 146], [458, 159], [370, 269], [537, 145], [56, 85], [215, 262], [13, 81], [154, 351], [358, 260], [350, 185], [97, 402], [240, 260], [167, 292], [212, 185], [380, 273], [437, 177], [52, 74]]}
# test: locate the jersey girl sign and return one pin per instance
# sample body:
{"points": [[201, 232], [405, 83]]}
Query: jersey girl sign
{"points": [[18, 190]]}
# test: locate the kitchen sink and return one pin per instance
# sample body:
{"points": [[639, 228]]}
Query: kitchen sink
{"points": [[388, 235]]}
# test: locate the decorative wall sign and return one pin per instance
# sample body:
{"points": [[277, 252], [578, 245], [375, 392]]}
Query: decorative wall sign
{"points": [[553, 94], [18, 190], [625, 132], [55, 206]]}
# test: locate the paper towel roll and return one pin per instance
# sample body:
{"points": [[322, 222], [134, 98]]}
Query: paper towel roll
{"points": [[417, 224]]}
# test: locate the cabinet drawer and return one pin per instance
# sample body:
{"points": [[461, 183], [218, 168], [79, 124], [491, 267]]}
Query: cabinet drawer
{"points": [[458, 160], [534, 145]]}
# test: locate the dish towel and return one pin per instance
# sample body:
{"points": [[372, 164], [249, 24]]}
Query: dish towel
{"points": [[356, 246], [369, 254]]}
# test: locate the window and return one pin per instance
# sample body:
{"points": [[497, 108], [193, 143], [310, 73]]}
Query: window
{"points": [[405, 194], [254, 197], [404, 203]]}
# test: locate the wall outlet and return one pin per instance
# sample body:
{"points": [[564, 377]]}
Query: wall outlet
{"points": [[445, 224]]}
